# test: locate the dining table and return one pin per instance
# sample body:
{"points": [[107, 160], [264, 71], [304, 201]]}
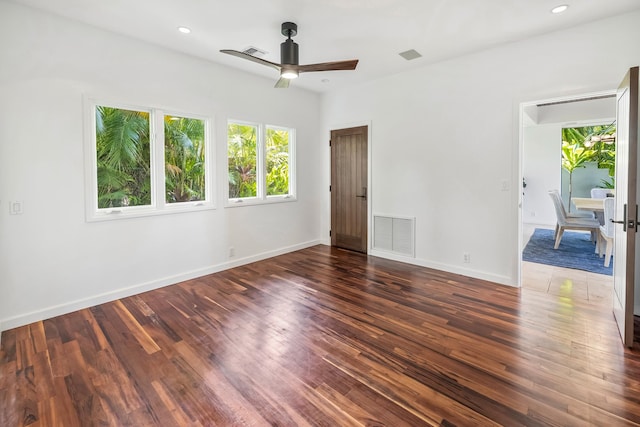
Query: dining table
{"points": [[588, 204]]}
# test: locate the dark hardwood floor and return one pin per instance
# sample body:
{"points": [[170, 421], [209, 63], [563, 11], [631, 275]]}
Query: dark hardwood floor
{"points": [[323, 337]]}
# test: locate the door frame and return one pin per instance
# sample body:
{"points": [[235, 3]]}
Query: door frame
{"points": [[339, 126], [624, 315], [522, 105]]}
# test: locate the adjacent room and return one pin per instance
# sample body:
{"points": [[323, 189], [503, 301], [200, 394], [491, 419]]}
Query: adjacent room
{"points": [[568, 147], [182, 243]]}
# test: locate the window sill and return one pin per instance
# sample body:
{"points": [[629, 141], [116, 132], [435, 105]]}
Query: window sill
{"points": [[236, 203], [140, 212]]}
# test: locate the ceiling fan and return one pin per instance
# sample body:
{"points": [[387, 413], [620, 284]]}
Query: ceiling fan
{"points": [[289, 67]]}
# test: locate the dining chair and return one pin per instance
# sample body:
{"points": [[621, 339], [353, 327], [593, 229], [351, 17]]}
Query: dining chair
{"points": [[566, 222], [583, 214], [600, 193], [607, 230]]}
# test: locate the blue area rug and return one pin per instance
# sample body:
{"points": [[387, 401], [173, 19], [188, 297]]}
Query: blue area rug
{"points": [[575, 251]]}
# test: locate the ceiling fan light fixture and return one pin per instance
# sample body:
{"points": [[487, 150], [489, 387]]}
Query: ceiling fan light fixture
{"points": [[559, 9], [289, 74]]}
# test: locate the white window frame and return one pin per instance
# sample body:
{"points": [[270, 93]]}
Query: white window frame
{"points": [[158, 205], [261, 167]]}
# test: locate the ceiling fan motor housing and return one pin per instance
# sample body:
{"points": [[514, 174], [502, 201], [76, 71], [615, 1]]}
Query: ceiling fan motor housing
{"points": [[289, 48], [289, 52]]}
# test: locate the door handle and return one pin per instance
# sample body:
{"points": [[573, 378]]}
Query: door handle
{"points": [[624, 219], [364, 193], [626, 222]]}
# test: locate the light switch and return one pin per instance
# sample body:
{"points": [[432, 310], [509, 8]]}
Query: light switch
{"points": [[15, 207]]}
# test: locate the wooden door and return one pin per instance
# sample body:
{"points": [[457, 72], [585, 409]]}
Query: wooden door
{"points": [[349, 210], [626, 204]]}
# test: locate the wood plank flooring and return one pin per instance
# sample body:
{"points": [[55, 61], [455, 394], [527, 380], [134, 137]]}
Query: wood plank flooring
{"points": [[324, 337]]}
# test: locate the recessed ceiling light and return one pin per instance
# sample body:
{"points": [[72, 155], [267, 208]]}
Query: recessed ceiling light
{"points": [[560, 9], [184, 30]]}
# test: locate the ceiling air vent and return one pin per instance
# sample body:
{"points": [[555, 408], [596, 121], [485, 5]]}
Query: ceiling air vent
{"points": [[254, 51], [410, 54]]}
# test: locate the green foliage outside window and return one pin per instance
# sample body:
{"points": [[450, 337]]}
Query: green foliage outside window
{"points": [[184, 159], [242, 154], [597, 142], [277, 162], [585, 144], [123, 151], [123, 157]]}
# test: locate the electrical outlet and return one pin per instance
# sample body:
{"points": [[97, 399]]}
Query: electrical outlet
{"points": [[466, 257], [232, 251], [15, 208]]}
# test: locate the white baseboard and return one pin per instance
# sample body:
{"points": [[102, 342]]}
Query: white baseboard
{"points": [[68, 307], [539, 224], [502, 280]]}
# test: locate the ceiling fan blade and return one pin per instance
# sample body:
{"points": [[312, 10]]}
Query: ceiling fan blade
{"points": [[251, 58], [282, 83], [329, 66]]}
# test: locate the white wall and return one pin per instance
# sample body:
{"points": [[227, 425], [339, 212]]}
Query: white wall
{"points": [[541, 166], [445, 137], [53, 261]]}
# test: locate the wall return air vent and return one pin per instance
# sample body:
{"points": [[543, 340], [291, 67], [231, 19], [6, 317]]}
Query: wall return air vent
{"points": [[394, 234]]}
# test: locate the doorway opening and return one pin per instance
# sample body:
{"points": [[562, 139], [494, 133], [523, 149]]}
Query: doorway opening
{"points": [[544, 124]]}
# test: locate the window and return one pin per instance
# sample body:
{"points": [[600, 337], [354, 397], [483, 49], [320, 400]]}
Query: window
{"points": [[145, 161], [277, 161], [260, 163], [123, 157], [242, 152], [184, 161]]}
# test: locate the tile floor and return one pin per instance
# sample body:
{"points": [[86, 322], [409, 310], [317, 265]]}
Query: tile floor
{"points": [[565, 282]]}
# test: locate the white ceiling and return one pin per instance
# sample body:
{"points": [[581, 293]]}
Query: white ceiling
{"points": [[373, 31]]}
